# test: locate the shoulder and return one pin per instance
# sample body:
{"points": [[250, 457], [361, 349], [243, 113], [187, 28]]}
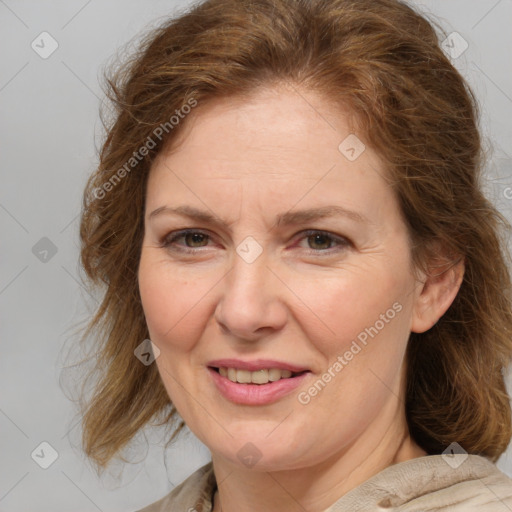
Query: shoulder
{"points": [[480, 486], [468, 483], [195, 493]]}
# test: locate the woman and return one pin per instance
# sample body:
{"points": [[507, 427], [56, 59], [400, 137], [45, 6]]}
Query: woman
{"points": [[288, 207]]}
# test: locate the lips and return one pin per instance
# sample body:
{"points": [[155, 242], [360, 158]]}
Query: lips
{"points": [[255, 382]]}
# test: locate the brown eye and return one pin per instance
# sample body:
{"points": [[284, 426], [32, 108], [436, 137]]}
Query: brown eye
{"points": [[320, 242], [193, 240]]}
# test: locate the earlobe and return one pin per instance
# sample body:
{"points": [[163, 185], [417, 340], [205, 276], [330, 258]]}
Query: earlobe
{"points": [[436, 294]]}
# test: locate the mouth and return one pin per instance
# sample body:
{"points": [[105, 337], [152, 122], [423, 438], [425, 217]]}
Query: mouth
{"points": [[258, 377]]}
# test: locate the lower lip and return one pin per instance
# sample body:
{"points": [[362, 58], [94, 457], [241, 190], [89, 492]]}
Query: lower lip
{"points": [[255, 394]]}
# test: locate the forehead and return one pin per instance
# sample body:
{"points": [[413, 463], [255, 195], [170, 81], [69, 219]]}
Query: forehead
{"points": [[279, 122], [281, 145]]}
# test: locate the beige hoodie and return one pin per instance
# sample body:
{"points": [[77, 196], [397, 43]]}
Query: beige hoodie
{"points": [[426, 484]]}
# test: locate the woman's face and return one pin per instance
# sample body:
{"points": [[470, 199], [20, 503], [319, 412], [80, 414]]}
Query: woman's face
{"points": [[263, 282]]}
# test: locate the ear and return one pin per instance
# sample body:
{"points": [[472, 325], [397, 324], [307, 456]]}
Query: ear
{"points": [[437, 292]]}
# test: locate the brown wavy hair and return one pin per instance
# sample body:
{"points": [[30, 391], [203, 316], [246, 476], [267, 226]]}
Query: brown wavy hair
{"points": [[382, 61]]}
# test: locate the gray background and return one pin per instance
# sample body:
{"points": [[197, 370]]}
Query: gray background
{"points": [[49, 133]]}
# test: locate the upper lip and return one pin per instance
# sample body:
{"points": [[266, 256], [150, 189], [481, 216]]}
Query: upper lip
{"points": [[258, 364]]}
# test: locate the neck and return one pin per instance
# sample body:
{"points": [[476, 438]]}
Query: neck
{"points": [[314, 488]]}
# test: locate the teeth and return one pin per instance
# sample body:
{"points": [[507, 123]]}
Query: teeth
{"points": [[258, 377], [243, 376], [274, 375]]}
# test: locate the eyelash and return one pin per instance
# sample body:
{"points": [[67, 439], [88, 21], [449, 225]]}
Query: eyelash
{"points": [[171, 238]]}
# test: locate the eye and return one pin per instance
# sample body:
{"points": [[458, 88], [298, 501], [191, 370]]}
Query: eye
{"points": [[193, 240], [322, 241], [318, 241]]}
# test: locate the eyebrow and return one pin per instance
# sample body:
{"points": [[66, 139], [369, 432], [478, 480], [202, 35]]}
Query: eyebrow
{"points": [[288, 218]]}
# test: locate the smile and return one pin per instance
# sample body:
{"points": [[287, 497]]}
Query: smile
{"points": [[261, 386], [263, 376]]}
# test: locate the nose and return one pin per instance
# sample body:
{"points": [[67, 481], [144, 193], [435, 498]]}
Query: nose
{"points": [[251, 304]]}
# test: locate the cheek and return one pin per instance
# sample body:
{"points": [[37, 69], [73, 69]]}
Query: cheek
{"points": [[172, 306], [351, 305]]}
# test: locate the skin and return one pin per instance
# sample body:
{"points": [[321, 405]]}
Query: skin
{"points": [[303, 300]]}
